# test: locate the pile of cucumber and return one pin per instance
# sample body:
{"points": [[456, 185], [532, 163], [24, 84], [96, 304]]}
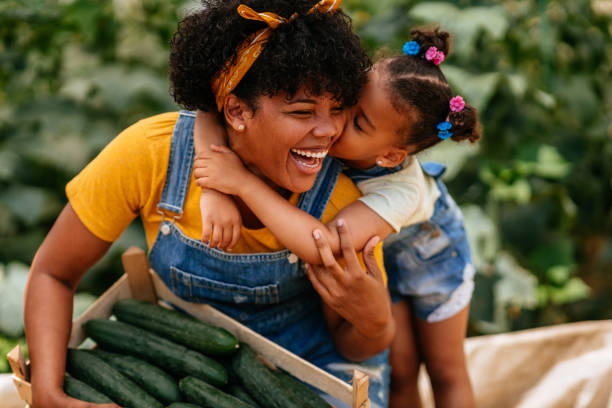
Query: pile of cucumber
{"points": [[153, 357]]}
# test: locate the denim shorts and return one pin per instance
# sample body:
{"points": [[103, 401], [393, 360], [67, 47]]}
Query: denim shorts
{"points": [[429, 264]]}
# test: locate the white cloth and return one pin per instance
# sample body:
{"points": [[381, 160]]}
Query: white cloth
{"points": [[565, 366], [403, 198]]}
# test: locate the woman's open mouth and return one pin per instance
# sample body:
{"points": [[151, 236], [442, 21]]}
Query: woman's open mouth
{"points": [[308, 161]]}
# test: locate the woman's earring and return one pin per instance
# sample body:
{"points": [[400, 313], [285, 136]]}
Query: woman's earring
{"points": [[240, 127]]}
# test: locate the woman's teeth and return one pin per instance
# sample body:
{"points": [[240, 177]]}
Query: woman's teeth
{"points": [[318, 155]]}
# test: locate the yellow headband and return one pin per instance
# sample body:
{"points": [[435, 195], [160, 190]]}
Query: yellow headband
{"points": [[226, 80]]}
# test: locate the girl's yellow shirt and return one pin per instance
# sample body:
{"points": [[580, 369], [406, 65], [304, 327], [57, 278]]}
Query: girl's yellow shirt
{"points": [[127, 178]]}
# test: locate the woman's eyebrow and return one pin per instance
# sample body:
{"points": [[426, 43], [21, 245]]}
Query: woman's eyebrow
{"points": [[294, 101]]}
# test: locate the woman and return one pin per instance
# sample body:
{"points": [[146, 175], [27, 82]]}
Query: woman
{"points": [[289, 100]]}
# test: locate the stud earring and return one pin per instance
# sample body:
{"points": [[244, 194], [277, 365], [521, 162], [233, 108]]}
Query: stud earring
{"points": [[379, 162], [240, 127]]}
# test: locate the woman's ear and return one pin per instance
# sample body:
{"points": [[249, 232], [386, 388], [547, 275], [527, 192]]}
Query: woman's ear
{"points": [[393, 157], [236, 112]]}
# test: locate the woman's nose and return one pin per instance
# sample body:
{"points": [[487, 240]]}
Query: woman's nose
{"points": [[329, 126]]}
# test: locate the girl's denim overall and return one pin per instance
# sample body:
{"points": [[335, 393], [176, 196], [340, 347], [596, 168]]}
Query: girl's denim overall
{"points": [[428, 263], [268, 292]]}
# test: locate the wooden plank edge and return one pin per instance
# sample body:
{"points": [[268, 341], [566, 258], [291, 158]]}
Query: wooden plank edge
{"points": [[17, 362], [24, 389], [270, 351], [361, 383], [136, 267]]}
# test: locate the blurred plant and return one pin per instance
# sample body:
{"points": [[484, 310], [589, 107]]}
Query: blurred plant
{"points": [[536, 191]]}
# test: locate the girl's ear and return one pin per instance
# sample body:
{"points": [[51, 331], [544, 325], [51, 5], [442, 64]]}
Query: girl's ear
{"points": [[393, 157], [236, 112]]}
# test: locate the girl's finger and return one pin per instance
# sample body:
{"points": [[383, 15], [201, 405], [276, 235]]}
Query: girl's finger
{"points": [[217, 234], [370, 260], [346, 244], [235, 237], [220, 149], [227, 237], [206, 231]]}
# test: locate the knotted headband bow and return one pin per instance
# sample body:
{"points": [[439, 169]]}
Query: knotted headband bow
{"points": [[226, 80]]}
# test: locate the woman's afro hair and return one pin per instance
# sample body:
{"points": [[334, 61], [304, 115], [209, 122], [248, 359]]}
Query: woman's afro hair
{"points": [[318, 50]]}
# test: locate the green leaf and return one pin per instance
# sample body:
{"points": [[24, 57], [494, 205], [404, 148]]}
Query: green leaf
{"points": [[575, 289], [477, 88], [483, 236], [30, 204], [464, 23], [12, 286]]}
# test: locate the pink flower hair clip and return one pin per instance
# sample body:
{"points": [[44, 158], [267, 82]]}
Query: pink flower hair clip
{"points": [[457, 104], [434, 55]]}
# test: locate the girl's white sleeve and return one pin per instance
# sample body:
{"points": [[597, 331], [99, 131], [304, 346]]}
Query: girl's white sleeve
{"points": [[403, 198]]}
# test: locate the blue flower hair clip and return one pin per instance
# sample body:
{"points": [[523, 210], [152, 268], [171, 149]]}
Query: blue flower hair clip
{"points": [[444, 128], [411, 48]]}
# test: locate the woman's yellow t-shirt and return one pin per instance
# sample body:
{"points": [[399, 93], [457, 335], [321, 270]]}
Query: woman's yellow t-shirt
{"points": [[127, 178]]}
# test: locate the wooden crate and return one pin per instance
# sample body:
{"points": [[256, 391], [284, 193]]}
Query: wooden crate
{"points": [[141, 282]]}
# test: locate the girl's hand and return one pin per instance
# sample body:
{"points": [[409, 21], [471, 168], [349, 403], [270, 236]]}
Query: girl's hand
{"points": [[221, 220], [359, 296], [220, 170]]}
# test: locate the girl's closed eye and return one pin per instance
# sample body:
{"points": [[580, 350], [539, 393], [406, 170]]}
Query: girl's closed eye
{"points": [[356, 123]]}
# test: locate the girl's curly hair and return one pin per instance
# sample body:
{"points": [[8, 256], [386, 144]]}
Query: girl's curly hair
{"points": [[318, 50]]}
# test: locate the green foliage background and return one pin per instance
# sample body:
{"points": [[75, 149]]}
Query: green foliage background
{"points": [[536, 192]]}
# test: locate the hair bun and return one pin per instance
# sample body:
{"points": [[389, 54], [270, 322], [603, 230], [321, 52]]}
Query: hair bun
{"points": [[465, 124], [435, 38]]}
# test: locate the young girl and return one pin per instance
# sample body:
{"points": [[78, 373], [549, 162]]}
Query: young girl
{"points": [[406, 107]]}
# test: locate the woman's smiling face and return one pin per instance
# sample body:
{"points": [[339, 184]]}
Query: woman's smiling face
{"points": [[286, 139]]}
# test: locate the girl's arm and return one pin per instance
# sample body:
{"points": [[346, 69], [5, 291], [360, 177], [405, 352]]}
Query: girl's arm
{"points": [[56, 270], [222, 170], [221, 220]]}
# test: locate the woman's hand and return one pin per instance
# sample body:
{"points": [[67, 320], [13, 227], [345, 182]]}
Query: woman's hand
{"points": [[358, 296], [60, 400], [221, 220], [220, 170]]}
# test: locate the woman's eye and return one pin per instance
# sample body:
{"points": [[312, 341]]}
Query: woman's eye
{"points": [[301, 112]]}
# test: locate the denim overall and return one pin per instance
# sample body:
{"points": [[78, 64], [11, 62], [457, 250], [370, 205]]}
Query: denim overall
{"points": [[428, 263], [268, 292]]}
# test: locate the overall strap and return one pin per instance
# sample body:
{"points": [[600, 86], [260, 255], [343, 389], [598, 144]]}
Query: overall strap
{"points": [[435, 170], [180, 164], [315, 200]]}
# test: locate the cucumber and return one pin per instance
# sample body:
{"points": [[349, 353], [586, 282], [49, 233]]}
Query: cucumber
{"points": [[102, 376], [150, 378], [240, 393], [177, 359], [261, 383], [78, 389], [176, 326], [199, 392], [183, 405], [305, 393]]}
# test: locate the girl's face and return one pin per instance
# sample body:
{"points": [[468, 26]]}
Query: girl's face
{"points": [[372, 126], [285, 140]]}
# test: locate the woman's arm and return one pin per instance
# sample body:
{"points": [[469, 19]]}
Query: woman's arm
{"points": [[67, 252], [222, 170], [356, 303]]}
